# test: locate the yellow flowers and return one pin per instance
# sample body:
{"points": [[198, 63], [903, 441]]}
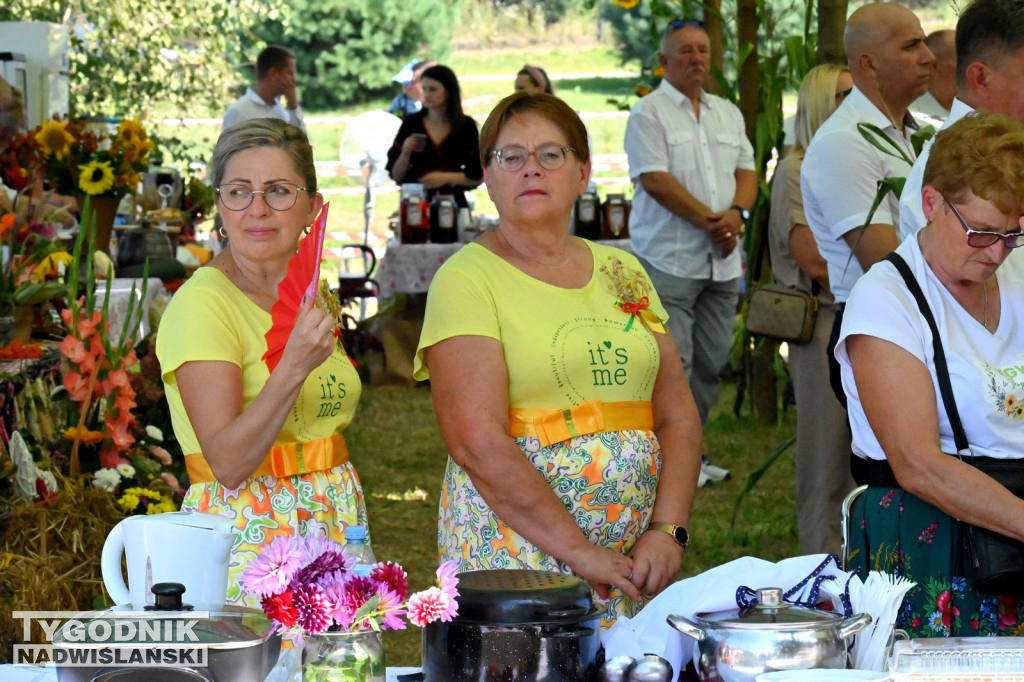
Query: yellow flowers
{"points": [[96, 178], [145, 501], [54, 138], [628, 4], [84, 435], [50, 265]]}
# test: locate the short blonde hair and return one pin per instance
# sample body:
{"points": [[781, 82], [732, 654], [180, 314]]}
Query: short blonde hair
{"points": [[816, 102], [980, 154], [265, 132]]}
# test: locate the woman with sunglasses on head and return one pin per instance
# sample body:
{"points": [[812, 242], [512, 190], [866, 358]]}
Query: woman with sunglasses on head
{"points": [[438, 146], [264, 448], [574, 441], [822, 436], [904, 445]]}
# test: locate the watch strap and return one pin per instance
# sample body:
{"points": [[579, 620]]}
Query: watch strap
{"points": [[744, 213], [671, 530]]}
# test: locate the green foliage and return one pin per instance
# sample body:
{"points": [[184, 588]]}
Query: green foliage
{"points": [[348, 50], [551, 11], [129, 60]]}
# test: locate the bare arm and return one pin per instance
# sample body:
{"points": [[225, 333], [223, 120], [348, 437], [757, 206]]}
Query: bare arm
{"points": [[805, 252], [440, 178], [872, 244], [235, 441], [900, 404], [469, 383], [667, 191], [401, 165], [656, 556]]}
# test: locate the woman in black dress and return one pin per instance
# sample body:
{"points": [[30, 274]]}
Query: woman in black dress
{"points": [[439, 146]]}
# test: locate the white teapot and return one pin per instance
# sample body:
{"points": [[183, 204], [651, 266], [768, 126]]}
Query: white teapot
{"points": [[191, 548]]}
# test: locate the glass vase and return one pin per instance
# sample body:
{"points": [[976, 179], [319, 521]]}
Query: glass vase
{"points": [[343, 657]]}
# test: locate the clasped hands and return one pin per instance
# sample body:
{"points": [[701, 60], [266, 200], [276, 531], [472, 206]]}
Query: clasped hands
{"points": [[651, 566], [725, 229]]}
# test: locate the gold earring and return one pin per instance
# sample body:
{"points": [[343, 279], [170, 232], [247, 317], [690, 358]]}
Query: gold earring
{"points": [[305, 230], [222, 232]]}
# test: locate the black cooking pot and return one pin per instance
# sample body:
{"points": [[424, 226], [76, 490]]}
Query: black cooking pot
{"points": [[517, 626]]}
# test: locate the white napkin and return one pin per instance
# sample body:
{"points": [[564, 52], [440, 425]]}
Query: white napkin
{"points": [[714, 590]]}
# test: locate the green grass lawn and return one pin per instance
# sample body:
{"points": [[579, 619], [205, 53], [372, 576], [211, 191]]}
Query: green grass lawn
{"points": [[396, 446]]}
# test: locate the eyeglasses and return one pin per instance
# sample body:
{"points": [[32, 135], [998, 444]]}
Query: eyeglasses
{"points": [[843, 94], [280, 196], [684, 23], [549, 156], [980, 239]]}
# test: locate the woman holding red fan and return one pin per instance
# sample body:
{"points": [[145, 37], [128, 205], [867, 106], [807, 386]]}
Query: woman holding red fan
{"points": [[262, 431]]}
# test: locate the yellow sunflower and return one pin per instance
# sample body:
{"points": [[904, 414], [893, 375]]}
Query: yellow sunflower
{"points": [[54, 138], [628, 4], [130, 131], [50, 264], [658, 71], [97, 177]]}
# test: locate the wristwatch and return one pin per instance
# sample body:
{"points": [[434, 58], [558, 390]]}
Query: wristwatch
{"points": [[744, 213], [678, 533]]}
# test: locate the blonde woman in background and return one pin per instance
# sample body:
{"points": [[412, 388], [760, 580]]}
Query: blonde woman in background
{"points": [[822, 434]]}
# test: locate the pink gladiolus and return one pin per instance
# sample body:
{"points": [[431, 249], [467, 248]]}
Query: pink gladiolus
{"points": [[74, 350], [77, 385], [87, 326], [118, 430], [427, 606], [160, 455], [110, 458]]}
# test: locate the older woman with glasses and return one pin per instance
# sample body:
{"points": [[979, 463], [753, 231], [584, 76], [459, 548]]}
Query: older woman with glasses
{"points": [[574, 441], [905, 448], [262, 447]]}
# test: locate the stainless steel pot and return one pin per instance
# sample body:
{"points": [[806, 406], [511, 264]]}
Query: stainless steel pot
{"points": [[527, 626], [738, 645], [238, 643]]}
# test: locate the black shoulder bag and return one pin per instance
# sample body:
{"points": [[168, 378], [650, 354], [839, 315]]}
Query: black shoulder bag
{"points": [[996, 560]]}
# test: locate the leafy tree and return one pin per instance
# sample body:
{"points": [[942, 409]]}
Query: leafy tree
{"points": [[348, 50], [130, 58]]}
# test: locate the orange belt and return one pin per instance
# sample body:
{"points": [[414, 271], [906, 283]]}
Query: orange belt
{"points": [[286, 459], [554, 426]]}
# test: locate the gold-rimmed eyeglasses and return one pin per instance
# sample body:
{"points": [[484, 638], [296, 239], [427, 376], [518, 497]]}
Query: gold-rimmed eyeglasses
{"points": [[982, 239], [280, 196], [549, 156]]}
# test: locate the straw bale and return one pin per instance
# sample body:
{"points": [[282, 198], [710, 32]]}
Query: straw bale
{"points": [[50, 555]]}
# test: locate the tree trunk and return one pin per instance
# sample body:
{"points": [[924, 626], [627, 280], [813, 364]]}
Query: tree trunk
{"points": [[749, 72], [831, 22], [713, 25]]}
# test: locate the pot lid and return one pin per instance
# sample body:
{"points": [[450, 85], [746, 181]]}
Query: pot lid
{"points": [[771, 610], [218, 626], [499, 596]]}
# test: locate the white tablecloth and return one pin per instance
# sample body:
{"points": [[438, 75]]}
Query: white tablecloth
{"points": [[408, 268]]}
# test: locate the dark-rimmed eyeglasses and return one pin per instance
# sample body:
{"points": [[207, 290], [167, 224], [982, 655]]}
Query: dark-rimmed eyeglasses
{"points": [[280, 196], [549, 156], [685, 23], [981, 239], [843, 94]]}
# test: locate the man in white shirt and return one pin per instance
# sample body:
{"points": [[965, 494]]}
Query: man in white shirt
{"points": [[890, 65], [275, 78], [989, 73], [933, 106], [693, 168]]}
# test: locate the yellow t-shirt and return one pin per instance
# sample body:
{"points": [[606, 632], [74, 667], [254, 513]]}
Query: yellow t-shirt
{"points": [[562, 347], [211, 319]]}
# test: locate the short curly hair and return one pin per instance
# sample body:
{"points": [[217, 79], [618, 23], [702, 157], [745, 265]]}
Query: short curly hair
{"points": [[981, 155]]}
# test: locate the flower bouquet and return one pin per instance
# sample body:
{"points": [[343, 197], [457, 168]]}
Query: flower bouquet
{"points": [[308, 587]]}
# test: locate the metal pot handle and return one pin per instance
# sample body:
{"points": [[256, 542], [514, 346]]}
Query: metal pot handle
{"points": [[565, 613], [688, 627], [853, 625]]}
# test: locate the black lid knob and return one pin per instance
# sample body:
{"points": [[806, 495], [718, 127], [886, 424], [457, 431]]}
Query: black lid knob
{"points": [[167, 597]]}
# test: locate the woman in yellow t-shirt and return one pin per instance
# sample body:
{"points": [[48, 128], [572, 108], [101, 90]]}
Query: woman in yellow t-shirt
{"points": [[574, 441], [264, 448]]}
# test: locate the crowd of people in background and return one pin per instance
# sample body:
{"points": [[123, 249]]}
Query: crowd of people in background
{"points": [[618, 367]]}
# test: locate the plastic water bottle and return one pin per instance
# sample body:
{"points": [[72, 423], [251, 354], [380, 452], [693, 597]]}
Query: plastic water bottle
{"points": [[357, 546]]}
